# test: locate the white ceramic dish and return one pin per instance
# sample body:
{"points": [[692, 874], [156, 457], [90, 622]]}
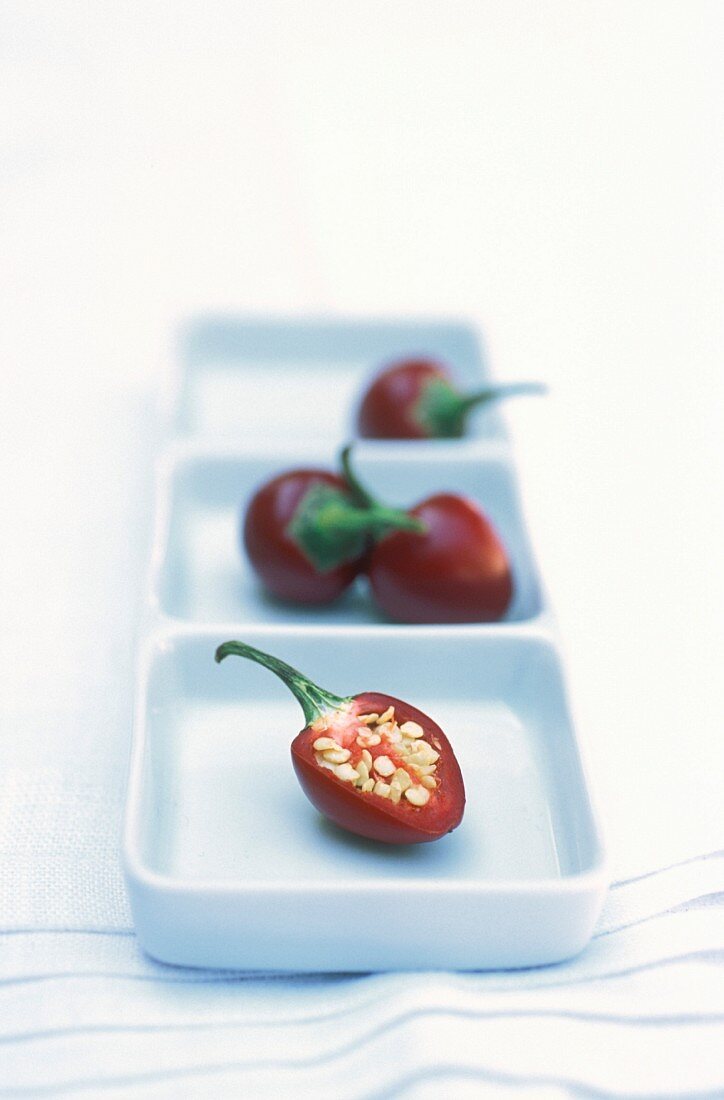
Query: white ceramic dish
{"points": [[202, 575], [287, 381], [230, 866], [227, 864]]}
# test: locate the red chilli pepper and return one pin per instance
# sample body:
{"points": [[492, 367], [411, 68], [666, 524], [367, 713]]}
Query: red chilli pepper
{"points": [[452, 569], [373, 764], [273, 551], [416, 399], [306, 538]]}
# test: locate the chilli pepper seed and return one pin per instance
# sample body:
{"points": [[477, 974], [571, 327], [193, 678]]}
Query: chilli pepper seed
{"points": [[406, 740]]}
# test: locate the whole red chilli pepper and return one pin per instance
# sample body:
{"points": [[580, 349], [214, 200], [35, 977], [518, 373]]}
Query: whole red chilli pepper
{"points": [[452, 569], [306, 534], [416, 399], [277, 557]]}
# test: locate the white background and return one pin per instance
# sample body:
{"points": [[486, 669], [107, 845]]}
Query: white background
{"points": [[553, 171]]}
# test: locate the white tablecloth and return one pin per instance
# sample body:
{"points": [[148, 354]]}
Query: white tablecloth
{"points": [[551, 171]]}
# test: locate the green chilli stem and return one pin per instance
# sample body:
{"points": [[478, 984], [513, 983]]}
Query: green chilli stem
{"points": [[337, 517], [496, 393], [362, 497], [442, 411], [380, 519], [313, 699]]}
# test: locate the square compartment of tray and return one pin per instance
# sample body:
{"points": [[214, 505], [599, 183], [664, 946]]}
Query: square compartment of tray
{"points": [[228, 865], [243, 378], [202, 574]]}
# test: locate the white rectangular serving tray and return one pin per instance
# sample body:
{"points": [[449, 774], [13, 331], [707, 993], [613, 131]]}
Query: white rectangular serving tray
{"points": [[227, 864]]}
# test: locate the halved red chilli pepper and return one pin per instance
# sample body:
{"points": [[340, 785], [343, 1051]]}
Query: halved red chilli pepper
{"points": [[373, 764], [416, 399]]}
